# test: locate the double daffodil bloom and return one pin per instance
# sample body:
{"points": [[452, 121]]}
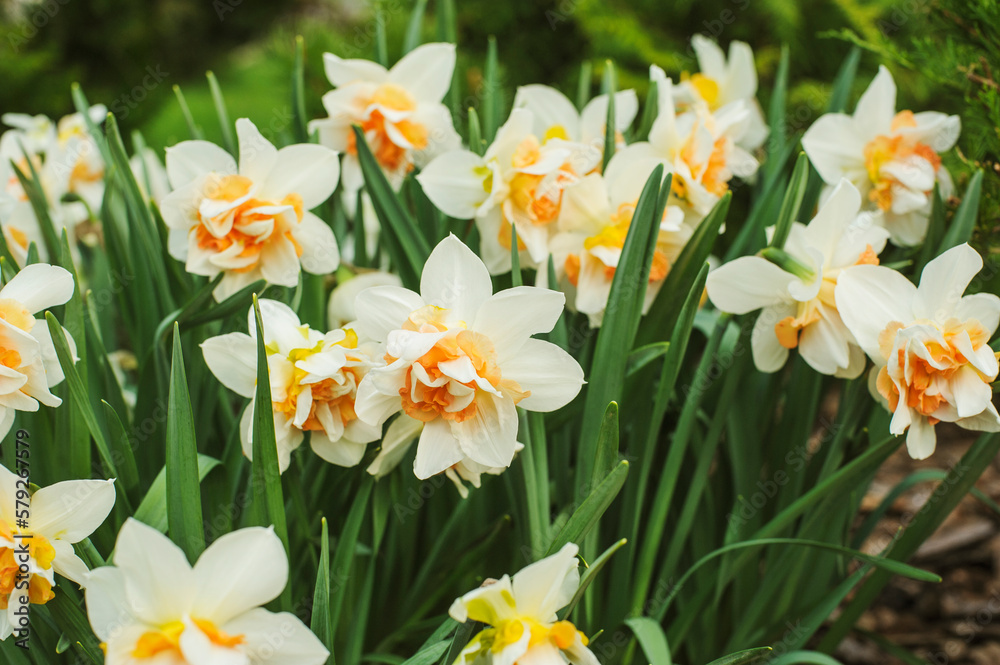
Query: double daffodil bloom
{"points": [[521, 616], [593, 223], [459, 359], [28, 363], [929, 344], [701, 148], [399, 109], [314, 381], [795, 288], [518, 183], [152, 607], [252, 221], [724, 81], [41, 538], [892, 158]]}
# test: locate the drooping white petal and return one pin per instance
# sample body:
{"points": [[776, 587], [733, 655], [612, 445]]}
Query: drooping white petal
{"points": [[400, 434], [920, 438], [437, 449], [768, 353], [490, 436]]}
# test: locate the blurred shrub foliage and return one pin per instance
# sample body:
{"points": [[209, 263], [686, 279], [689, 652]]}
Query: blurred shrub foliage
{"points": [[942, 53]]}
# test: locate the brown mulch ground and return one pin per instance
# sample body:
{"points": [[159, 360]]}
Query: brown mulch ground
{"points": [[958, 621]]}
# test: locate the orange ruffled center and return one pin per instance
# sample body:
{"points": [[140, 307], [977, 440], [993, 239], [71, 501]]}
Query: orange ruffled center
{"points": [[428, 390], [167, 638], [790, 328], [11, 579], [885, 149], [250, 228], [389, 154], [337, 395], [613, 236], [919, 378]]}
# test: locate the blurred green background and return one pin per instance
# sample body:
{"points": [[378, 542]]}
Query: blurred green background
{"points": [[129, 54]]}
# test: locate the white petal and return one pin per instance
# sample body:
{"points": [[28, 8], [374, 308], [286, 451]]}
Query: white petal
{"points": [[437, 449], [490, 437], [548, 585], [198, 649], [768, 353], [238, 572], [158, 579], [320, 253], [834, 148], [277, 639], [456, 279], [342, 72], [920, 438], [382, 309], [748, 283], [553, 376], [824, 343], [309, 170], [107, 605], [73, 509], [549, 108], [868, 299], [257, 154], [398, 437], [943, 282], [189, 159], [453, 184], [68, 564], [426, 71], [232, 358], [39, 286], [511, 316]]}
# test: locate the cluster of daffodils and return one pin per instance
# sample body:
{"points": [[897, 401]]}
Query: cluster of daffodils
{"points": [[70, 171], [453, 361], [542, 175]]}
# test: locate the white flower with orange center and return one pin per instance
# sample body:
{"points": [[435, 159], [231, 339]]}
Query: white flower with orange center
{"points": [[723, 81], [519, 182], [555, 115], [795, 288], [252, 221], [521, 619], [314, 381], [399, 110], [929, 343], [28, 363], [892, 158], [38, 531], [460, 358], [699, 147], [153, 607], [594, 221]]}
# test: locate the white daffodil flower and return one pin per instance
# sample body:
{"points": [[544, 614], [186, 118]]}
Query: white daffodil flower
{"points": [[701, 148], [555, 116], [399, 109], [28, 363], [593, 224], [892, 158], [521, 615], [314, 380], [519, 181], [459, 359], [795, 288], [929, 343], [41, 538], [251, 221], [153, 607], [723, 81]]}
